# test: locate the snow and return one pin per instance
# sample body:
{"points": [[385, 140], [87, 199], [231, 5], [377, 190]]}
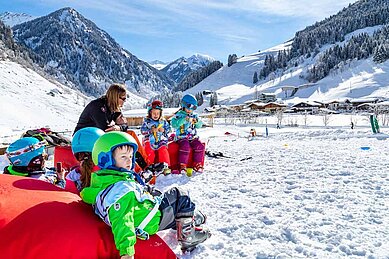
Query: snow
{"points": [[30, 101], [12, 19], [307, 191], [356, 79]]}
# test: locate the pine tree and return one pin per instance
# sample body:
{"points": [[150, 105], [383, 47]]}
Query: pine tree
{"points": [[380, 55], [232, 59], [255, 77]]}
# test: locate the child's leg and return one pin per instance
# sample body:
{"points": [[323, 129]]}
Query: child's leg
{"points": [[183, 151], [163, 155], [176, 203], [198, 150], [149, 151]]}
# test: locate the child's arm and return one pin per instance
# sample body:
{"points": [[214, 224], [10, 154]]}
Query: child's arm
{"points": [[121, 216], [145, 129], [198, 123], [178, 120], [167, 128]]}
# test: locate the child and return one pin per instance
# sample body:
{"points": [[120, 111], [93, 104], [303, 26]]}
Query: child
{"points": [[27, 156], [155, 130], [82, 145], [128, 208], [186, 122]]}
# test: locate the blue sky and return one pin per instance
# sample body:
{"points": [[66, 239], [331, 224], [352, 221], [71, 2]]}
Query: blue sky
{"points": [[168, 29]]}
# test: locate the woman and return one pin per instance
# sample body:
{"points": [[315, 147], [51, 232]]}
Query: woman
{"points": [[105, 112]]}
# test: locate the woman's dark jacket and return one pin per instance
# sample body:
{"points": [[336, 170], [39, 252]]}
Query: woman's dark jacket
{"points": [[97, 114]]}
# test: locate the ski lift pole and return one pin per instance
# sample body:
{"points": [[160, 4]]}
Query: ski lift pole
{"points": [[266, 130]]}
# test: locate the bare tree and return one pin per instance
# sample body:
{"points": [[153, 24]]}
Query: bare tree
{"points": [[279, 114], [305, 119], [326, 119]]}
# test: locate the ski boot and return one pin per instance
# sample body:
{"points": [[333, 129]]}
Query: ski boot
{"points": [[183, 168], [199, 218], [188, 235]]}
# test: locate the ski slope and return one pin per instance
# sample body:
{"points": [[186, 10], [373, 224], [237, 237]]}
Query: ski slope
{"points": [[356, 79]]}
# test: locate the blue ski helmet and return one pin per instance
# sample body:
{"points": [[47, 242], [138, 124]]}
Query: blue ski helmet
{"points": [[189, 101], [105, 145], [85, 138], [23, 150]]}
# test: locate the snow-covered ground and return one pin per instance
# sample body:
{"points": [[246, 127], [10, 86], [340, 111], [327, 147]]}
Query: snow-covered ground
{"points": [[357, 79], [317, 193], [300, 192], [29, 101]]}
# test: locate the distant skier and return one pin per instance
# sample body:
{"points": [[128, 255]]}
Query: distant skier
{"points": [[253, 133], [352, 125], [278, 126]]}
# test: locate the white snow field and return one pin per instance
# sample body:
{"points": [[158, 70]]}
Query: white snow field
{"points": [[301, 192], [317, 193]]}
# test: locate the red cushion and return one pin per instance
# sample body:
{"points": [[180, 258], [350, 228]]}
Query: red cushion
{"points": [[173, 153], [40, 220], [65, 155]]}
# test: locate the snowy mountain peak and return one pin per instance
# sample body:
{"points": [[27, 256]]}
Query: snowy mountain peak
{"points": [[78, 53], [201, 58], [11, 19], [181, 67], [343, 56], [157, 64]]}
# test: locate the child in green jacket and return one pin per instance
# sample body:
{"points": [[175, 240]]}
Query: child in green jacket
{"points": [[129, 208]]}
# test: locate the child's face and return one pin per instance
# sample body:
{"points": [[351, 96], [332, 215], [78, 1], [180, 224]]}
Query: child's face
{"points": [[123, 157], [188, 111], [155, 114]]}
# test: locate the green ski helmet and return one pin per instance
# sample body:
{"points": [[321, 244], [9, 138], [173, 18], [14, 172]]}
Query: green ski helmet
{"points": [[104, 146]]}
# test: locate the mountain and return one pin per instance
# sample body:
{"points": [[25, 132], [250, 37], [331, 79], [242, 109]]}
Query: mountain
{"points": [[157, 64], [79, 54], [12, 19], [343, 56], [29, 97], [181, 67]]}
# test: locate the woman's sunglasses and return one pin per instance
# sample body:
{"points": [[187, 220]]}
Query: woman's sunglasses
{"points": [[123, 98]]}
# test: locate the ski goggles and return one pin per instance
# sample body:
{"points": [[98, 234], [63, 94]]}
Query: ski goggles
{"points": [[38, 161], [190, 106], [26, 149], [156, 105]]}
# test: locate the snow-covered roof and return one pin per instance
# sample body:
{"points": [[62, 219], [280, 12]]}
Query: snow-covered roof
{"points": [[310, 103], [364, 100]]}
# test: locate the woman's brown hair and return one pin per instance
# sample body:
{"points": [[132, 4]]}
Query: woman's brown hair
{"points": [[114, 92], [86, 170]]}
